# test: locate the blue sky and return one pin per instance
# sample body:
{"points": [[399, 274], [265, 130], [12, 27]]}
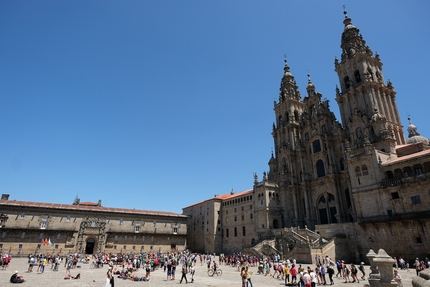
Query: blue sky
{"points": [[158, 105]]}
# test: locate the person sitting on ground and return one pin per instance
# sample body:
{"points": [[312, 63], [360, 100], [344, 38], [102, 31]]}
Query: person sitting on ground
{"points": [[68, 277], [131, 276], [16, 278]]}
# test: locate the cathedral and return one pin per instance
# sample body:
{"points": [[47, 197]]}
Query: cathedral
{"points": [[333, 188]]}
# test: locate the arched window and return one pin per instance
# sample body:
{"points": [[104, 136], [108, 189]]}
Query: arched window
{"points": [[418, 169], [347, 83], [389, 174], [407, 171], [287, 117], [357, 76], [378, 76], [398, 173], [364, 170], [342, 164], [316, 145], [357, 171], [296, 116], [370, 74], [320, 168]]}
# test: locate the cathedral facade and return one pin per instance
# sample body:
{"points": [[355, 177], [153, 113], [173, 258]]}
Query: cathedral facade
{"points": [[359, 183]]}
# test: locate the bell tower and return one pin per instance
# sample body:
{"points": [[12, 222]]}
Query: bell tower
{"points": [[287, 111], [366, 101]]}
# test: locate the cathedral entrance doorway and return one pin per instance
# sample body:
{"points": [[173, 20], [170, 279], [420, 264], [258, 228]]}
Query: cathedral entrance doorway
{"points": [[275, 224], [327, 209], [89, 247]]}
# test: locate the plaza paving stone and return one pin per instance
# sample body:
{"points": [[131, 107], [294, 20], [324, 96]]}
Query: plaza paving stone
{"points": [[97, 277]]}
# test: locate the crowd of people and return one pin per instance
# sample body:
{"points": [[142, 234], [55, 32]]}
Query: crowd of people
{"points": [[125, 266]]}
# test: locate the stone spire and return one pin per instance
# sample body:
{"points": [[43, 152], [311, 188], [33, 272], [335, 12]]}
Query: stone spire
{"points": [[288, 89], [352, 42], [310, 87]]}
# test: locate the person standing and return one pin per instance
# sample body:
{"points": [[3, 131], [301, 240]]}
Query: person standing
{"points": [[339, 268], [112, 278], [184, 274], [361, 267], [307, 278], [148, 269], [287, 274], [417, 266], [44, 262], [330, 272], [173, 269], [323, 272], [108, 277], [192, 272], [354, 273], [31, 263], [314, 279], [248, 277], [397, 278], [243, 276], [169, 269], [293, 272]]}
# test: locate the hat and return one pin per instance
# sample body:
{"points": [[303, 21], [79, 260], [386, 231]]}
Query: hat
{"points": [[16, 271], [362, 263]]}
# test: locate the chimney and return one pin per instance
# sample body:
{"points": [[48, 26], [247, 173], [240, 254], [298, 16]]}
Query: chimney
{"points": [[5, 196], [99, 203]]}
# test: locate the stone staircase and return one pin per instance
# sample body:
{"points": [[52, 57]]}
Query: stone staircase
{"points": [[300, 244]]}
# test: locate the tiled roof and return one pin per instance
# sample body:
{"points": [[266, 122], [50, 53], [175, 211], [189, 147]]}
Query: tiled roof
{"points": [[85, 207], [222, 197], [408, 157]]}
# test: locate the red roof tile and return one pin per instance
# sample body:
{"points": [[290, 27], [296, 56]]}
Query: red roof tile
{"points": [[86, 208], [407, 157], [222, 197]]}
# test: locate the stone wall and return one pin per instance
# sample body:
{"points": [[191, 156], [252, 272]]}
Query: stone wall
{"points": [[399, 238], [65, 230]]}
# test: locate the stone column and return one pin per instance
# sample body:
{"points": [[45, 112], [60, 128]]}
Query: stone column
{"points": [[385, 266], [373, 268]]}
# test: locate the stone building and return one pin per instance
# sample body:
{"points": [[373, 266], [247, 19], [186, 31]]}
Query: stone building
{"points": [[215, 225], [86, 227], [339, 188]]}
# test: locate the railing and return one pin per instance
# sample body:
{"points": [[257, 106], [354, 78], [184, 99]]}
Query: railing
{"points": [[391, 182]]}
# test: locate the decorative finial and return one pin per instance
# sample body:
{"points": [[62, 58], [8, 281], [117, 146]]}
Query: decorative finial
{"points": [[285, 59], [344, 10], [309, 78]]}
